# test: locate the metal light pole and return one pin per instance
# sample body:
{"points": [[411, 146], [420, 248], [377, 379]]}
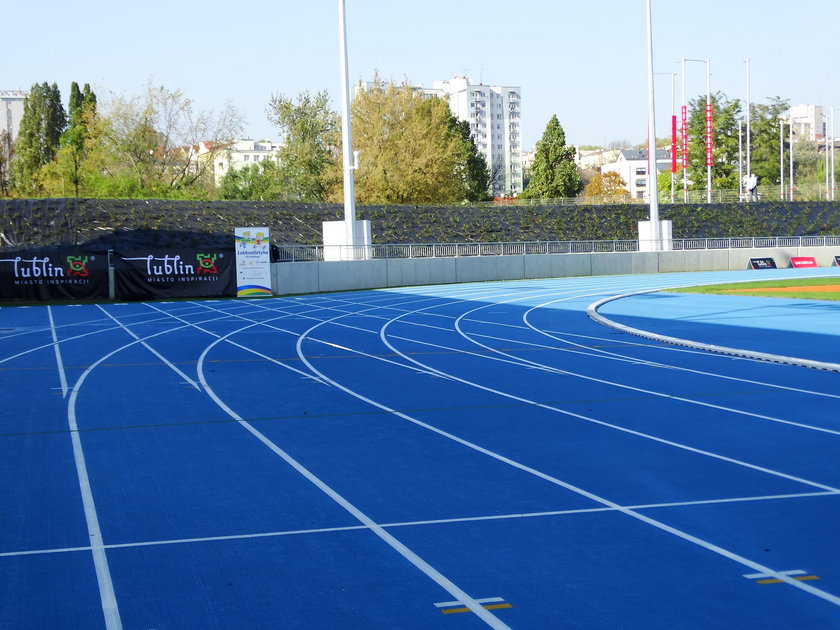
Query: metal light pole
{"points": [[346, 138], [782, 159], [673, 76], [833, 167], [790, 154], [653, 196], [749, 165]]}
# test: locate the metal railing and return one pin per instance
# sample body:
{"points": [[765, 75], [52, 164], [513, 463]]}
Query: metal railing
{"points": [[309, 253]]}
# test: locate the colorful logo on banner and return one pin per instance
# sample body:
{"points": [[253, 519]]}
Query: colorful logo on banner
{"points": [[253, 262], [173, 268], [762, 263], [42, 271]]}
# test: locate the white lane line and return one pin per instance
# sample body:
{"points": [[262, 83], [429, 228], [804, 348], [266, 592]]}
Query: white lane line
{"points": [[421, 523], [108, 598], [598, 499], [166, 361], [490, 619], [62, 377], [592, 311]]}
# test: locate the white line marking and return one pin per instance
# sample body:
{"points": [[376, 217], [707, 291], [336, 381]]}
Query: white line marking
{"points": [[439, 521], [757, 576], [490, 619], [483, 600], [594, 497], [62, 377], [108, 598], [166, 361]]}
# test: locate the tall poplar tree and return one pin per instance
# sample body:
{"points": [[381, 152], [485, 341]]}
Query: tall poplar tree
{"points": [[39, 136], [553, 173]]}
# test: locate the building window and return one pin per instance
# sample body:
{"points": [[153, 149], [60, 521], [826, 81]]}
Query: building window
{"points": [[641, 170], [245, 157], [641, 183]]}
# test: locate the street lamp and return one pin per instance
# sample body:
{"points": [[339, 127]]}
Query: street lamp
{"points": [[653, 197], [673, 76], [346, 137]]}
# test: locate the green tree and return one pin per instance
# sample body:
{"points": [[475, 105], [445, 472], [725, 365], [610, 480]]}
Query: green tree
{"points": [[6, 154], [69, 160], [476, 175], [764, 140], [553, 171], [310, 134], [255, 182], [410, 151], [39, 136], [725, 116]]}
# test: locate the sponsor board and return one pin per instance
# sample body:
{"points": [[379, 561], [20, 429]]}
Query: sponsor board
{"points": [[762, 263], [53, 273], [174, 273], [803, 261]]}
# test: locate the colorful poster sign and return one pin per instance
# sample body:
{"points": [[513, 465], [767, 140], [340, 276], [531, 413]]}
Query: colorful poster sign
{"points": [[253, 262]]}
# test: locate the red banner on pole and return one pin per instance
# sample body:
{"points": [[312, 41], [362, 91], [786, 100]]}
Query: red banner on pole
{"points": [[709, 144], [673, 144], [684, 137]]}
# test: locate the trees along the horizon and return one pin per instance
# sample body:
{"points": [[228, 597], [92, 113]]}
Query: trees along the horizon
{"points": [[554, 173], [310, 133], [158, 145], [410, 152]]}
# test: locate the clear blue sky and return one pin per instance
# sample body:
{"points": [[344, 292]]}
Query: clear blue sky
{"points": [[583, 61]]}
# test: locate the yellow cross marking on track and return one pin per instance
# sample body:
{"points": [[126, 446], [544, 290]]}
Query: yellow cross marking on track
{"points": [[488, 603], [767, 578]]}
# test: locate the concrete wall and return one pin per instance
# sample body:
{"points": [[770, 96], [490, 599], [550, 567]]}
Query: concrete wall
{"points": [[291, 278]]}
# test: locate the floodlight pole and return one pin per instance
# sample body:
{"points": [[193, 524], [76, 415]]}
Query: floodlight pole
{"points": [[790, 153], [782, 159], [346, 138], [749, 166], [653, 188], [833, 167]]}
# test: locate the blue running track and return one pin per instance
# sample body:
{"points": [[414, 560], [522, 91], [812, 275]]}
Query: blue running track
{"points": [[451, 457]]}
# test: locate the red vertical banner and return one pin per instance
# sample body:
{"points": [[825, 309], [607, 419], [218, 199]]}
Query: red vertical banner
{"points": [[709, 144], [684, 137], [673, 144]]}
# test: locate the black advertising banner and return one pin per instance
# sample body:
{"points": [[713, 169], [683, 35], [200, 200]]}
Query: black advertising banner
{"points": [[181, 272], [53, 273], [762, 263]]}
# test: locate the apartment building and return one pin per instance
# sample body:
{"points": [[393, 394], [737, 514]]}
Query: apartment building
{"points": [[11, 111], [808, 122], [242, 153], [632, 166], [494, 113]]}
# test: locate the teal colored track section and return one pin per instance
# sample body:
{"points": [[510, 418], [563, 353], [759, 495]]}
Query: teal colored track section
{"points": [[460, 456]]}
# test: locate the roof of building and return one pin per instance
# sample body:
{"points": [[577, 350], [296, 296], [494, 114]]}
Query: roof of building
{"points": [[638, 155]]}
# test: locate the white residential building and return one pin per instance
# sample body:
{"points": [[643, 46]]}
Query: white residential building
{"points": [[632, 166], [11, 111], [808, 122], [242, 153], [494, 114]]}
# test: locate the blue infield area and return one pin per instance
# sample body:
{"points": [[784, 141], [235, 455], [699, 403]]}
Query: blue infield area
{"points": [[456, 456]]}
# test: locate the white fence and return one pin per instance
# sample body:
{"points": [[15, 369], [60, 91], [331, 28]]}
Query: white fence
{"points": [[315, 253]]}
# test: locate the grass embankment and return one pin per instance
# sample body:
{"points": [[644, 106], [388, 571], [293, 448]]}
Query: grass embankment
{"points": [[802, 288]]}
